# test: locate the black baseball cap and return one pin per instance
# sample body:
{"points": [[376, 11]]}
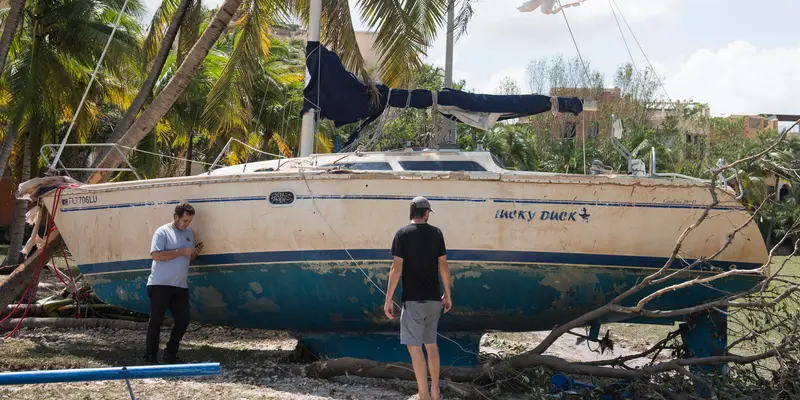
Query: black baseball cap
{"points": [[421, 202]]}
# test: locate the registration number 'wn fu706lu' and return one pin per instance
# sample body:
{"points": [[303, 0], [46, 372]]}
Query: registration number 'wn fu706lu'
{"points": [[76, 200]]}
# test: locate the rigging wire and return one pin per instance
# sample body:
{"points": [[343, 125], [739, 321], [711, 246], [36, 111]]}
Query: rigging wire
{"points": [[585, 71], [623, 35], [89, 86], [642, 50]]}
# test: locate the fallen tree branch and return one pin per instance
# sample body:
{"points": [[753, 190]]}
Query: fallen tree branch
{"points": [[490, 373]]}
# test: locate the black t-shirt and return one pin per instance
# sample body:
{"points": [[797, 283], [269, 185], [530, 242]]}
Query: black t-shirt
{"points": [[420, 246]]}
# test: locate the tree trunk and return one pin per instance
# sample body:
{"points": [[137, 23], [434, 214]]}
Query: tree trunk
{"points": [[150, 82], [17, 282], [189, 154], [16, 7], [17, 232], [175, 87], [8, 141]]}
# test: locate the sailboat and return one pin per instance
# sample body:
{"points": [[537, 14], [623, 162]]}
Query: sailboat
{"points": [[302, 244]]}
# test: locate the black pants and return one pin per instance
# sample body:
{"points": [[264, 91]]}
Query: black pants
{"points": [[161, 298]]}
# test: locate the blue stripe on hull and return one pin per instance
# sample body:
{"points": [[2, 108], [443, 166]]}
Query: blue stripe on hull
{"points": [[339, 298], [497, 256], [406, 198]]}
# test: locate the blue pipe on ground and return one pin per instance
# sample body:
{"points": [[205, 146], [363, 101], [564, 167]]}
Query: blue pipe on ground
{"points": [[112, 373]]}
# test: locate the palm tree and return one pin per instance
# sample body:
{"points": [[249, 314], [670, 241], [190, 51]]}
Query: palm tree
{"points": [[12, 18], [54, 53]]}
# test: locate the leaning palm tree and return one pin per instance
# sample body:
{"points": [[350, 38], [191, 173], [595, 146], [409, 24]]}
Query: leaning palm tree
{"points": [[404, 31]]}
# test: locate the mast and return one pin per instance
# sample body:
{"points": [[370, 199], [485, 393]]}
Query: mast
{"points": [[449, 126], [307, 128]]}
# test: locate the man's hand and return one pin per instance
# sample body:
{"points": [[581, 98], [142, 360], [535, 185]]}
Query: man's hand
{"points": [[388, 309], [189, 252], [447, 303]]}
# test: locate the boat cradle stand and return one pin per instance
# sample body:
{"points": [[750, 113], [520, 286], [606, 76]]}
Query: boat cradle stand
{"points": [[455, 349]]}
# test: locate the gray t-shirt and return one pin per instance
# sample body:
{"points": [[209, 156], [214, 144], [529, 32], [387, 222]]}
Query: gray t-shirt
{"points": [[172, 272]]}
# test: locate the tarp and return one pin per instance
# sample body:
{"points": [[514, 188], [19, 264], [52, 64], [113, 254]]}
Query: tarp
{"points": [[342, 97]]}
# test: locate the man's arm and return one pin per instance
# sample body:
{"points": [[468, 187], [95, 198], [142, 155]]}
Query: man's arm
{"points": [[444, 270], [166, 255], [394, 279], [158, 248]]}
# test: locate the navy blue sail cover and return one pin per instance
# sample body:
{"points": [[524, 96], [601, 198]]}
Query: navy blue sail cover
{"points": [[340, 96]]}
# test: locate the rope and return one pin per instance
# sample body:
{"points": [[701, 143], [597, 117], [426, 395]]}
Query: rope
{"points": [[89, 86], [358, 265], [160, 155], [30, 291]]}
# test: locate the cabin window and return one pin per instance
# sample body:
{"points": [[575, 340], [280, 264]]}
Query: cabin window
{"points": [[441, 166], [281, 198], [365, 166]]}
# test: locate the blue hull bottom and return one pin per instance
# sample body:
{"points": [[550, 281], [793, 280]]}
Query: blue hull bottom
{"points": [[335, 311], [337, 297]]}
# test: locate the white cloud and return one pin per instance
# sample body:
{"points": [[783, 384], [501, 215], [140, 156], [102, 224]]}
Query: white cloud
{"points": [[740, 79], [490, 84], [498, 11]]}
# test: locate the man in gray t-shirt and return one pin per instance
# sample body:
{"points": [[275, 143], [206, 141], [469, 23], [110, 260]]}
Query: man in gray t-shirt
{"points": [[173, 248]]}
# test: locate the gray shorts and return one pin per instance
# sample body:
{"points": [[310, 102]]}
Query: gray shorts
{"points": [[418, 322]]}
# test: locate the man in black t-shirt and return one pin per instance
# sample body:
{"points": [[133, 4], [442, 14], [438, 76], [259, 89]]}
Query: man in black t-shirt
{"points": [[419, 256]]}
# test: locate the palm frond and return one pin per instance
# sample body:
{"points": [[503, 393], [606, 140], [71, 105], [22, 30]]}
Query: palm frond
{"points": [[190, 29], [283, 147], [404, 33], [230, 102], [158, 27]]}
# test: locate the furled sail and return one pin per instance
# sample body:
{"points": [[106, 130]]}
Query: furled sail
{"points": [[340, 96]]}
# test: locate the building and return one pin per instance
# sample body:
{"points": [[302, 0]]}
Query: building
{"points": [[590, 123], [756, 123], [286, 31], [570, 127]]}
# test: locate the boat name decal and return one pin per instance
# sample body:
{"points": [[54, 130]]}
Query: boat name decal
{"points": [[679, 201], [74, 200], [547, 215]]}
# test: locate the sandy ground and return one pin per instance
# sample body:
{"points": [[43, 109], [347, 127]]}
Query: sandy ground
{"points": [[252, 364]]}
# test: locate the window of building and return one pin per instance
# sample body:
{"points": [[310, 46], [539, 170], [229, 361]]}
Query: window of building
{"points": [[441, 166], [594, 129], [570, 129]]}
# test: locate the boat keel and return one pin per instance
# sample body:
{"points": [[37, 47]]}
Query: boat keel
{"points": [[458, 349], [706, 335]]}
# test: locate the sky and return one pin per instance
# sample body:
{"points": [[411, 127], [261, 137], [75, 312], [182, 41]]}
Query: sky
{"points": [[739, 56]]}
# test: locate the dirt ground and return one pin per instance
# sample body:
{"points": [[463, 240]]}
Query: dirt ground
{"points": [[252, 365]]}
